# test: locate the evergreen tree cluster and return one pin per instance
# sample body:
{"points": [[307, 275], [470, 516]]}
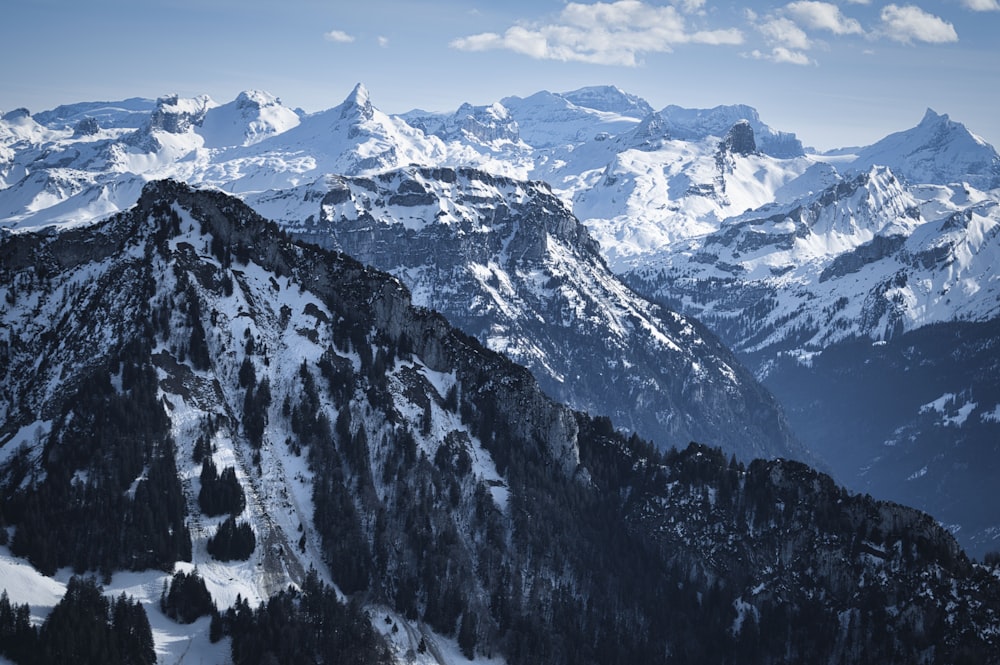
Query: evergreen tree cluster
{"points": [[186, 598], [109, 469], [232, 541], [307, 626], [18, 638], [84, 628], [255, 404], [221, 493]]}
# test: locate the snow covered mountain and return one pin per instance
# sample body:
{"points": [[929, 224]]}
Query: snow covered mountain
{"points": [[867, 256], [185, 387], [937, 151], [784, 254]]}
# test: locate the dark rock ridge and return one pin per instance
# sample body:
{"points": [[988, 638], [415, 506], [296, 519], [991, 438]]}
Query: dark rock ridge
{"points": [[870, 252]]}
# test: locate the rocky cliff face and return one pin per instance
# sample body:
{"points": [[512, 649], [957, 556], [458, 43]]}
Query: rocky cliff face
{"points": [[740, 139], [509, 264]]}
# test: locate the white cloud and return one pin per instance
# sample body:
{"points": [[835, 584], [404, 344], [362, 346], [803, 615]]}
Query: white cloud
{"points": [[338, 36], [785, 32], [609, 33], [982, 5], [823, 16], [383, 41], [909, 23], [782, 54]]}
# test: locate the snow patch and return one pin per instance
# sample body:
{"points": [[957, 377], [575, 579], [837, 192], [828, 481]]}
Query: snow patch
{"points": [[991, 416]]}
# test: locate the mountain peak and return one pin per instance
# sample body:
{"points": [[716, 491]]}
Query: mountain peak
{"points": [[609, 98], [358, 103], [252, 117], [740, 139], [16, 115], [257, 98], [931, 116], [938, 151], [176, 115]]}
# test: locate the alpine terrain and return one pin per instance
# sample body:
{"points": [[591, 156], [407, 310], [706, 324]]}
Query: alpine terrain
{"points": [[357, 387]]}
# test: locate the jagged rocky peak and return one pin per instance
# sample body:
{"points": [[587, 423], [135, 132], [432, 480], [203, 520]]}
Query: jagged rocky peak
{"points": [[487, 123], [177, 115], [358, 104], [652, 131], [880, 202], [740, 139], [87, 127]]}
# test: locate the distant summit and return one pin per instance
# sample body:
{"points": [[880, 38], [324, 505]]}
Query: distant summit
{"points": [[252, 117], [938, 150], [609, 98]]}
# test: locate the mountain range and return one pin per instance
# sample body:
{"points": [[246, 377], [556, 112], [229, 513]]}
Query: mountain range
{"points": [[691, 274]]}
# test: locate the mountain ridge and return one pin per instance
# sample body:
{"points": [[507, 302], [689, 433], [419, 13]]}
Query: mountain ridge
{"points": [[508, 263]]}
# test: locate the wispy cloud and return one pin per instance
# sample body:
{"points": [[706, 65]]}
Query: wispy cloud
{"points": [[338, 36], [691, 6], [823, 16], [909, 23], [383, 41], [781, 55], [982, 5], [608, 33]]}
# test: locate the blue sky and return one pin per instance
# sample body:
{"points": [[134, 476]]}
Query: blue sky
{"points": [[836, 73]]}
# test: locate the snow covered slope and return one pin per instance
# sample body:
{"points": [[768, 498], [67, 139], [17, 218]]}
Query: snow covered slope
{"points": [[507, 262]]}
